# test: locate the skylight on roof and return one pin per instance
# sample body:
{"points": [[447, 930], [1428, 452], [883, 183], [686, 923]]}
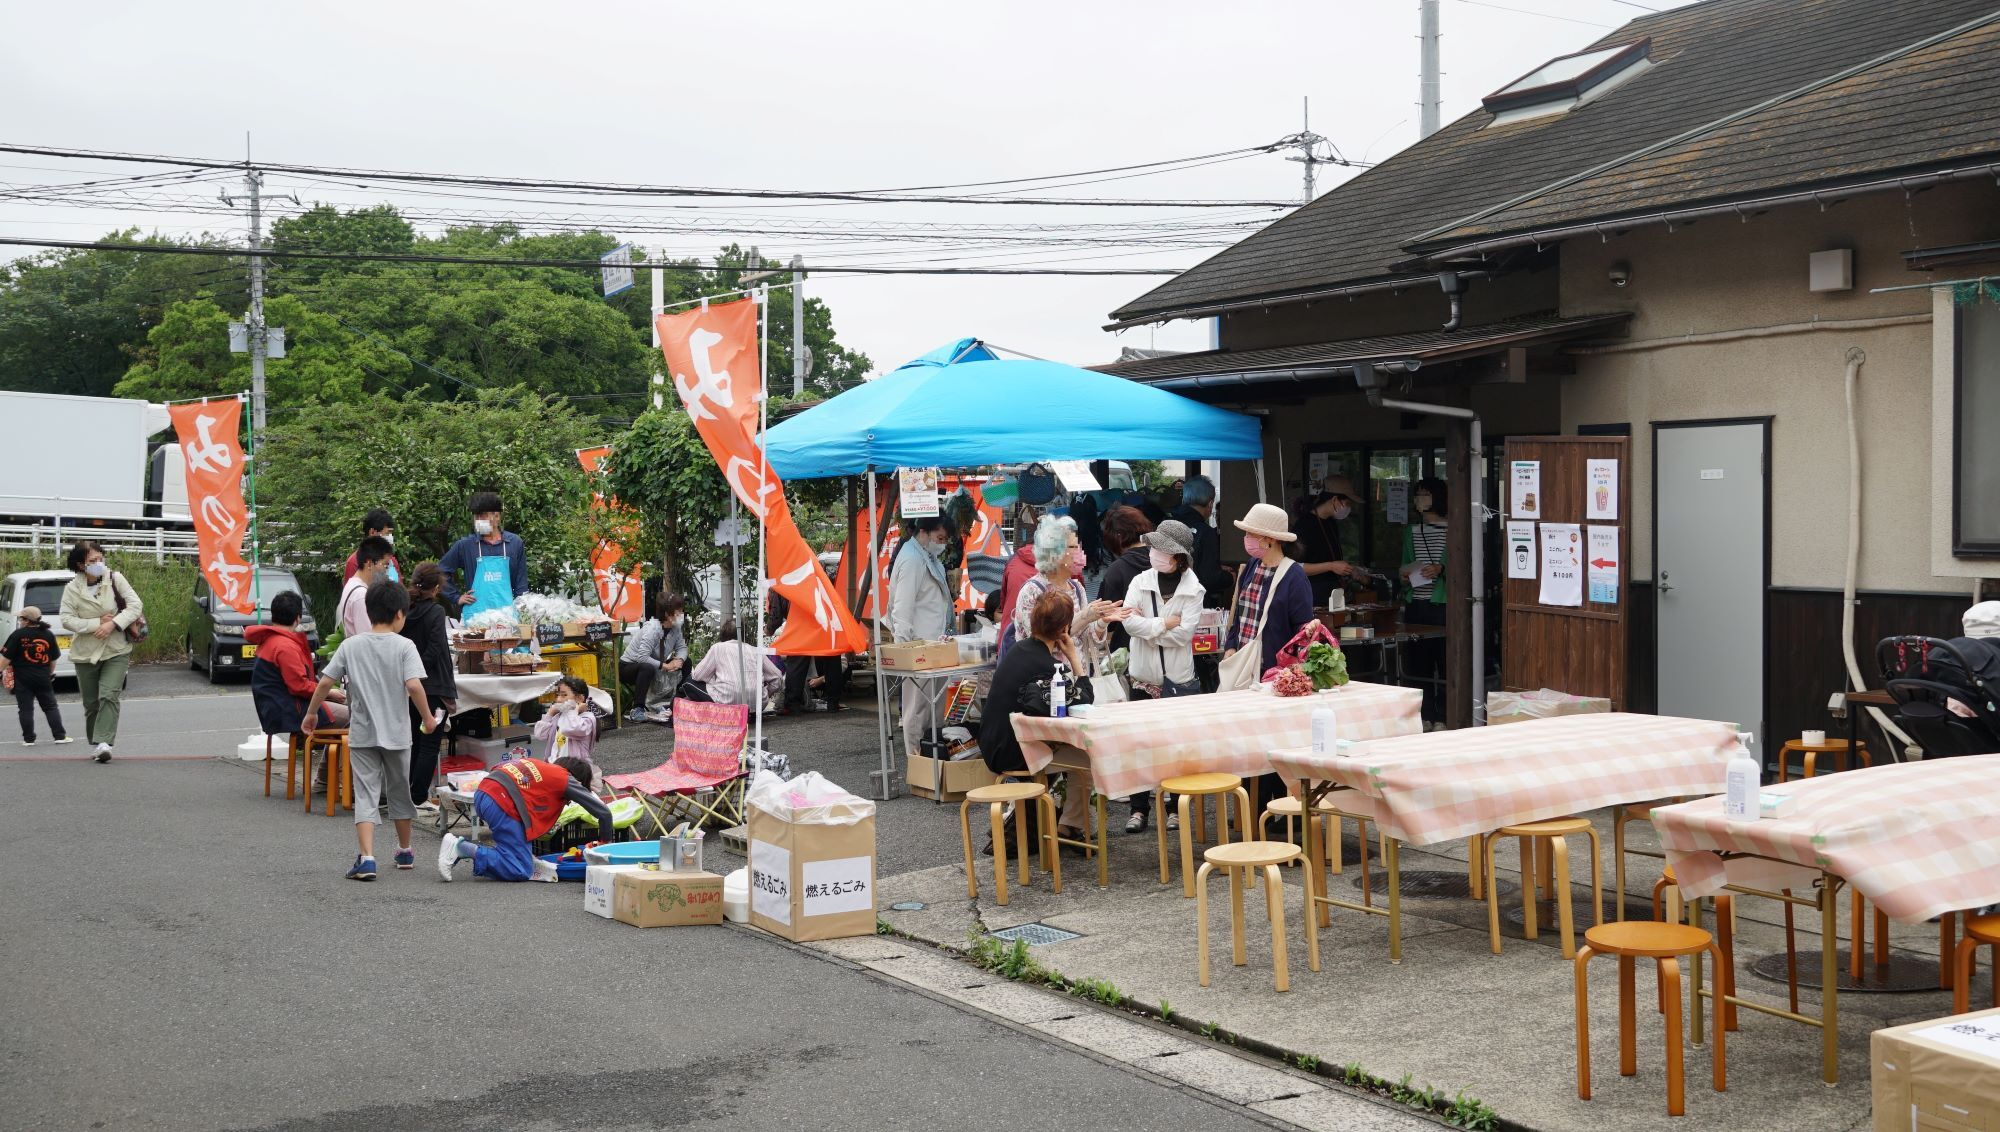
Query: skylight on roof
{"points": [[1569, 80]]}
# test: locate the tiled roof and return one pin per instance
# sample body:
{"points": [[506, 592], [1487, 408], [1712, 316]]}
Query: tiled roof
{"points": [[1428, 346], [1709, 60]]}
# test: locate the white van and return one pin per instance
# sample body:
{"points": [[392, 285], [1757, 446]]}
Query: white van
{"points": [[43, 590]]}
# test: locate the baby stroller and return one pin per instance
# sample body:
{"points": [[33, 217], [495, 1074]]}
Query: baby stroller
{"points": [[1926, 675]]}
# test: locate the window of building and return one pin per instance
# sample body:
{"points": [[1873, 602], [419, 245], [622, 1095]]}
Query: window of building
{"points": [[1568, 81], [1975, 528]]}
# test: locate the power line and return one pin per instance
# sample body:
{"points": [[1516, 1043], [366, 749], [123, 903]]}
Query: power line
{"points": [[574, 265], [541, 184], [1532, 12]]}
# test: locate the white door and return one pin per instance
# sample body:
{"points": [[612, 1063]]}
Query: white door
{"points": [[1708, 561]]}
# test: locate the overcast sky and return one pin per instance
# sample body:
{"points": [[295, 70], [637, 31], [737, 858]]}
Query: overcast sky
{"points": [[847, 95]]}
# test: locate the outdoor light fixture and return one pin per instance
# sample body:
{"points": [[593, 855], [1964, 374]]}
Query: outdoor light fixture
{"points": [[1621, 273]]}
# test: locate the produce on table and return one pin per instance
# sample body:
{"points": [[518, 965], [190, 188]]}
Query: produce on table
{"points": [[1325, 665], [1292, 681]]}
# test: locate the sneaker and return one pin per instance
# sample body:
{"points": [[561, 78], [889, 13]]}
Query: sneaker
{"points": [[1173, 821], [636, 715], [663, 717], [103, 753], [1136, 823], [28, 742], [61, 741], [427, 809], [364, 869], [448, 857], [406, 859]]}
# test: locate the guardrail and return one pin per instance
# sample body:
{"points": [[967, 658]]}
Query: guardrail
{"points": [[41, 538]]}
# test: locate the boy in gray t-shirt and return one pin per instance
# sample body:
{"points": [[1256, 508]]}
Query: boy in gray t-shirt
{"points": [[381, 669]]}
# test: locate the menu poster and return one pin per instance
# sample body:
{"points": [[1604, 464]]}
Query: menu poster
{"points": [[1521, 550], [1075, 475], [1601, 490], [1396, 499], [1317, 467], [1527, 484], [1603, 563], [920, 491], [1562, 564]]}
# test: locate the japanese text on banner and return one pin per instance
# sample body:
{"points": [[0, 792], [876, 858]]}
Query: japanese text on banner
{"points": [[207, 434], [711, 353]]}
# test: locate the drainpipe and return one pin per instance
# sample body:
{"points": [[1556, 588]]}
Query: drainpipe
{"points": [[1371, 384], [1454, 288]]}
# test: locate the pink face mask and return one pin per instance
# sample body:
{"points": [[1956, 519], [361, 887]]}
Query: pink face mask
{"points": [[1253, 546], [1076, 562], [1161, 560]]}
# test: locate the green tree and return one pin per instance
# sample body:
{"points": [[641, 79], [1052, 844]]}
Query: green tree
{"points": [[187, 355], [323, 468]]}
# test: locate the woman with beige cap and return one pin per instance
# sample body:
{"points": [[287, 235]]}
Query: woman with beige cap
{"points": [[1273, 599]]}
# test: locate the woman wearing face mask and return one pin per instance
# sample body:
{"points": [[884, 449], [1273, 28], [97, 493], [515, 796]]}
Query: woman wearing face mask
{"points": [[655, 656], [920, 605], [1161, 608], [1321, 549], [1123, 527], [1059, 564], [98, 605], [1423, 555], [1273, 600]]}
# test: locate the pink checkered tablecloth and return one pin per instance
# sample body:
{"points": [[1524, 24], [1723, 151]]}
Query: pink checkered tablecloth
{"points": [[1133, 746], [1448, 785], [1919, 839]]}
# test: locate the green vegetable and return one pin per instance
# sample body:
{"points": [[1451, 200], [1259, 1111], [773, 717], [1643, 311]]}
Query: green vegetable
{"points": [[1326, 665]]}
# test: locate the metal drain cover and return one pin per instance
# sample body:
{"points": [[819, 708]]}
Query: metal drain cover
{"points": [[1035, 935], [1424, 882], [1905, 975], [1545, 910]]}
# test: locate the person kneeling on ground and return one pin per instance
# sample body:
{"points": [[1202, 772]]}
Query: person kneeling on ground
{"points": [[519, 801]]}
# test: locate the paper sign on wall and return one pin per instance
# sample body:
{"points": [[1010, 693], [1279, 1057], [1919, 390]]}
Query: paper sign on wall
{"points": [[843, 885], [1521, 550], [1601, 490], [1396, 499], [1527, 483], [920, 491], [1317, 464], [1075, 475], [1562, 564], [1603, 563], [771, 881]]}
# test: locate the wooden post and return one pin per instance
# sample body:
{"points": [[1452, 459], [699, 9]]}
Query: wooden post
{"points": [[1460, 680]]}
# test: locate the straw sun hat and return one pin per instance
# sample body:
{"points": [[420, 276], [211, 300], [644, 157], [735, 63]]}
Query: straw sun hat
{"points": [[1269, 521]]}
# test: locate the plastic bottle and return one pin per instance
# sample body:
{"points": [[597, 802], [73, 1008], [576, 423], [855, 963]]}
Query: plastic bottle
{"points": [[1744, 778], [1323, 736], [1059, 692]]}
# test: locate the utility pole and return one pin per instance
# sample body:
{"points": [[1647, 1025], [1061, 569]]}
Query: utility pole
{"points": [[254, 179], [1429, 89], [799, 366], [1308, 144]]}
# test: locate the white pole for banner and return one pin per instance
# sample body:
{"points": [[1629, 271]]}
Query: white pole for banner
{"points": [[1260, 479], [879, 601], [763, 477]]}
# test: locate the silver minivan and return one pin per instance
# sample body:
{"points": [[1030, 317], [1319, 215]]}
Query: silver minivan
{"points": [[43, 590]]}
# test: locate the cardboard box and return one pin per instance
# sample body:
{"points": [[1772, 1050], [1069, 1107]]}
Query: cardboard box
{"points": [[645, 898], [597, 887], [959, 776], [919, 656], [811, 882], [1938, 1076]]}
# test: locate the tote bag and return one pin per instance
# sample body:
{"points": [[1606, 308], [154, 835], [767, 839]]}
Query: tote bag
{"points": [[1247, 666]]}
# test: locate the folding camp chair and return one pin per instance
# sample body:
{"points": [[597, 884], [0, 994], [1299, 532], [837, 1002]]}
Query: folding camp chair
{"points": [[708, 754]]}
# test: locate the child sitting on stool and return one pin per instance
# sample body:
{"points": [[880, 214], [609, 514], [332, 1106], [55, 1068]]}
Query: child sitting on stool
{"points": [[519, 801], [569, 728]]}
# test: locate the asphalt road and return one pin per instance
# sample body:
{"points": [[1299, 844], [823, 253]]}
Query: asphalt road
{"points": [[184, 954]]}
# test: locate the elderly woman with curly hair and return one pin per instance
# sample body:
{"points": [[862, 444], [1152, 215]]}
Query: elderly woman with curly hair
{"points": [[1059, 566]]}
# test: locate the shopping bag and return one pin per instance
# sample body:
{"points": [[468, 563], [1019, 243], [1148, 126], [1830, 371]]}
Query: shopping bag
{"points": [[1294, 651]]}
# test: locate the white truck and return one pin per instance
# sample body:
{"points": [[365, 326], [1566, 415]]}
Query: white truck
{"points": [[92, 459]]}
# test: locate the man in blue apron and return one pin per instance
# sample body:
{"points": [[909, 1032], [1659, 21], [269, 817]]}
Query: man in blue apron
{"points": [[492, 562]]}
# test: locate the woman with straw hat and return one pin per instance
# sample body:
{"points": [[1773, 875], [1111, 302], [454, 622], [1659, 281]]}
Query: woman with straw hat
{"points": [[1273, 599]]}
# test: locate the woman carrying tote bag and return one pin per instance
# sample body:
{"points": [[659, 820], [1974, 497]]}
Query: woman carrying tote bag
{"points": [[1273, 599]]}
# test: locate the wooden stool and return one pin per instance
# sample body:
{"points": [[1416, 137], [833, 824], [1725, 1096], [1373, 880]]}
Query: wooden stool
{"points": [[1812, 752], [1241, 860], [1978, 930], [996, 798], [1192, 787], [339, 778], [291, 763], [1330, 819], [1622, 816], [1665, 944], [1553, 832]]}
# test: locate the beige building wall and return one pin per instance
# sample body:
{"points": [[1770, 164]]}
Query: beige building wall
{"points": [[1726, 327]]}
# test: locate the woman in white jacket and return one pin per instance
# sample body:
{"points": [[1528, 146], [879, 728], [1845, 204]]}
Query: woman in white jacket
{"points": [[1161, 608]]}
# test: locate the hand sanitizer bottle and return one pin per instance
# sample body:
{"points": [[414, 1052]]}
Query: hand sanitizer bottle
{"points": [[1324, 739], [1744, 777], [1059, 692]]}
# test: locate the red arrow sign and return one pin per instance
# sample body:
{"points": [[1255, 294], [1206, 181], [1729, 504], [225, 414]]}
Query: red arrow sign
{"points": [[1601, 564]]}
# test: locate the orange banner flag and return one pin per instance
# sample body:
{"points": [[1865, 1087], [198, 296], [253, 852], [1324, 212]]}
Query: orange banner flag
{"points": [[711, 354], [207, 433], [891, 534], [983, 549], [622, 593]]}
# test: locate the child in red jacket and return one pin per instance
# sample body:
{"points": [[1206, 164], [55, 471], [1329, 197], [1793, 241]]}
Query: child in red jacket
{"points": [[519, 801]]}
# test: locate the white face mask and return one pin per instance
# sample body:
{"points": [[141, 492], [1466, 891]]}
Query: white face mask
{"points": [[390, 539], [94, 569], [482, 527]]}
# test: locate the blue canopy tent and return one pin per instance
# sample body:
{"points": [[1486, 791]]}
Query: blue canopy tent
{"points": [[962, 405]]}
